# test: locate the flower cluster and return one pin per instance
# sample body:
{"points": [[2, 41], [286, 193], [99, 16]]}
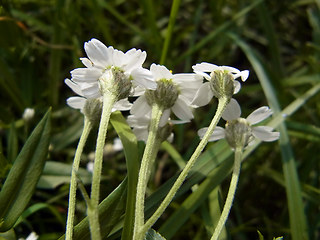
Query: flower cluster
{"points": [[111, 70]]}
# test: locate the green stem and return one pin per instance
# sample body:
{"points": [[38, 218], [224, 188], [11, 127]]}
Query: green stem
{"points": [[150, 152], [73, 183], [231, 193], [221, 106], [93, 212]]}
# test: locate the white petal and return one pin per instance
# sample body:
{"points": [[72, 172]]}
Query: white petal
{"points": [[143, 77], [203, 74], [189, 93], [135, 59], [76, 102], [86, 62], [122, 105], [85, 74], [139, 122], [203, 95], [202, 131], [259, 115], [232, 111], [141, 133], [90, 90], [182, 110], [98, 53], [217, 134], [165, 117], [138, 91], [179, 121], [75, 87], [237, 87], [230, 69], [244, 75], [205, 67], [159, 72], [184, 79], [119, 59], [265, 133], [140, 107]]}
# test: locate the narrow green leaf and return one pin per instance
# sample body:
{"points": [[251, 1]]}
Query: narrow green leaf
{"points": [[13, 143], [110, 210], [56, 173], [296, 210], [24, 174], [172, 19], [130, 147]]}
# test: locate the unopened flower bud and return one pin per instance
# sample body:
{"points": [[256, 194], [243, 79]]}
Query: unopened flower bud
{"points": [[165, 95], [222, 84], [238, 133], [92, 109], [114, 80], [28, 114]]}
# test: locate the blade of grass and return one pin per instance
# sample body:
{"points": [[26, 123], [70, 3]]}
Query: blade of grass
{"points": [[172, 19], [297, 217], [130, 147]]}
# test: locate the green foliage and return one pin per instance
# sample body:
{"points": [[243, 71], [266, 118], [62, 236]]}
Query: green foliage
{"points": [[24, 174], [278, 41]]}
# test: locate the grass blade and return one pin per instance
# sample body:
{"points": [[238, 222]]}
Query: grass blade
{"points": [[130, 147], [24, 174]]}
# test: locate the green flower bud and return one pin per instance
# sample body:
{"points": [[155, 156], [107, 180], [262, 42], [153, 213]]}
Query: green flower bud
{"points": [[238, 133], [222, 84], [165, 95], [116, 82], [164, 132], [92, 109]]}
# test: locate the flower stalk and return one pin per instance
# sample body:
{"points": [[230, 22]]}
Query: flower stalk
{"points": [[73, 182], [223, 101], [231, 193], [109, 99], [150, 152]]}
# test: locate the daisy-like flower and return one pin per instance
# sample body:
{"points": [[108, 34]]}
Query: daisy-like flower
{"points": [[140, 127], [174, 92], [221, 82], [91, 107], [108, 69], [239, 132]]}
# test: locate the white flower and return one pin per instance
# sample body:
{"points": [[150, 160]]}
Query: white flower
{"points": [[32, 236], [28, 114], [80, 101], [213, 87], [174, 92], [240, 131], [102, 61], [140, 127]]}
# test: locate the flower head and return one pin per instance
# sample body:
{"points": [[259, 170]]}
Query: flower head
{"points": [[221, 82], [108, 69], [174, 93], [239, 132], [140, 127], [91, 107]]}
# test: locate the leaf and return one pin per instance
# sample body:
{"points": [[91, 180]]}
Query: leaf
{"points": [[24, 174], [153, 235], [56, 173], [130, 147], [110, 210]]}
